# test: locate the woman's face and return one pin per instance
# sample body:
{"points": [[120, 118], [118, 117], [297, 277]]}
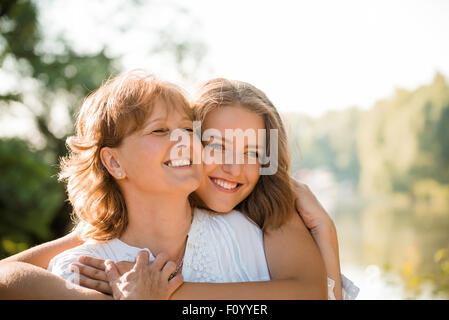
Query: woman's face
{"points": [[147, 155], [226, 184]]}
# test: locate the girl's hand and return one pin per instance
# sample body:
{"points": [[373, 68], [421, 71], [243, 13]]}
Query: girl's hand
{"points": [[322, 229], [93, 275], [310, 209], [143, 281]]}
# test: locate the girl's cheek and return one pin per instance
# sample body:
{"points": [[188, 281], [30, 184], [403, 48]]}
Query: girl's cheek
{"points": [[253, 173], [209, 168]]}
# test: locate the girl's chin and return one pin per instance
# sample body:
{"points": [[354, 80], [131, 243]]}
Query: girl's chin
{"points": [[221, 209]]}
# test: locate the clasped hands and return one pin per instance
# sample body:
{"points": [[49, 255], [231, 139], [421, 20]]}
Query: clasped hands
{"points": [[130, 281]]}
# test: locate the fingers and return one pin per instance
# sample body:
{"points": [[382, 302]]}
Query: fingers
{"points": [[175, 283], [159, 261], [294, 182], [92, 262], [142, 259], [101, 286], [168, 269], [113, 276], [124, 266], [112, 273], [90, 272]]}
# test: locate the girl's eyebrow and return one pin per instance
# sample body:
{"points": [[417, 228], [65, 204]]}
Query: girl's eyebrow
{"points": [[230, 142]]}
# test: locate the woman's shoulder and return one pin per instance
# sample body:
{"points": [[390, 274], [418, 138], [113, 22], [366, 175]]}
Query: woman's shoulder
{"points": [[112, 249], [61, 263], [90, 247]]}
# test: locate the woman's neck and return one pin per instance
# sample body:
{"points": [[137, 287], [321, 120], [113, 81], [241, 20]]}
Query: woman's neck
{"points": [[158, 222]]}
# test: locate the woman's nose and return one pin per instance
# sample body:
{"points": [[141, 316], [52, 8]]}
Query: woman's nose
{"points": [[181, 142]]}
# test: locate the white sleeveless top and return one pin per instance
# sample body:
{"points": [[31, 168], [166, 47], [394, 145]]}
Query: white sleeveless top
{"points": [[220, 248]]}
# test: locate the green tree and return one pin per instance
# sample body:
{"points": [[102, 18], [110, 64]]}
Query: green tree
{"points": [[42, 82], [329, 142], [49, 78], [29, 197], [404, 141]]}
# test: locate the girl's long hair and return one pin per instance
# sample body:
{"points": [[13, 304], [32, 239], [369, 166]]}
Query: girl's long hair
{"points": [[271, 202]]}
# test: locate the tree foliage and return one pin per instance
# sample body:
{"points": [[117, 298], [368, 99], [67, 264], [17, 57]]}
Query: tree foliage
{"points": [[327, 142], [49, 78], [398, 147], [32, 204], [403, 146], [29, 197]]}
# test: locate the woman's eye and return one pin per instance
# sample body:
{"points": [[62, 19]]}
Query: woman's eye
{"points": [[160, 131], [189, 129]]}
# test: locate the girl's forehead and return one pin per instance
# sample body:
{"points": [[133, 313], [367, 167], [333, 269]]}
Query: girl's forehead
{"points": [[233, 117]]}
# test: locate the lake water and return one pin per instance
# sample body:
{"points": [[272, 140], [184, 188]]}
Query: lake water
{"points": [[390, 252], [388, 247]]}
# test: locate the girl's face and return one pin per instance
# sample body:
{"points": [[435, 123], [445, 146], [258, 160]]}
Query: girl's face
{"points": [[147, 155], [226, 184]]}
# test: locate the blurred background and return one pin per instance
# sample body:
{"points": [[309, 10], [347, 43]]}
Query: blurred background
{"points": [[362, 86]]}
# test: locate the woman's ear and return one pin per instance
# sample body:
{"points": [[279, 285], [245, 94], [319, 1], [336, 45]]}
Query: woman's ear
{"points": [[109, 158]]}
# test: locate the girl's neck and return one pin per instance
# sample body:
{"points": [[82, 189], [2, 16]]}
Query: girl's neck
{"points": [[158, 222]]}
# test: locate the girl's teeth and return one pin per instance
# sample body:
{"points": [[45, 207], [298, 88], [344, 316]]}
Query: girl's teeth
{"points": [[179, 163], [224, 184]]}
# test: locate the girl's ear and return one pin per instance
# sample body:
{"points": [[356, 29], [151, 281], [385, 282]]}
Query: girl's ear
{"points": [[110, 161]]}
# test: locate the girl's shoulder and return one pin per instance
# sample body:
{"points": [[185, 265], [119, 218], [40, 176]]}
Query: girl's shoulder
{"points": [[234, 242], [234, 219]]}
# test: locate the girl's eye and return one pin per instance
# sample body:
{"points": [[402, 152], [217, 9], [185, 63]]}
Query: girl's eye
{"points": [[215, 146], [253, 154], [189, 129]]}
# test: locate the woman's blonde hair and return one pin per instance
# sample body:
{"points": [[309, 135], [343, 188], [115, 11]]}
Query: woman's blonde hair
{"points": [[271, 202], [117, 109]]}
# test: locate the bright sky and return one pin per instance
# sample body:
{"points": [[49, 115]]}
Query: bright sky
{"points": [[308, 56]]}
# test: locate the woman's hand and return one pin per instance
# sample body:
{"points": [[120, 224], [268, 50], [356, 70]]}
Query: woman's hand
{"points": [[143, 281], [93, 275]]}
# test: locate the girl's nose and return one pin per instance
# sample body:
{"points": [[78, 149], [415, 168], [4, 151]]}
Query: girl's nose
{"points": [[232, 169]]}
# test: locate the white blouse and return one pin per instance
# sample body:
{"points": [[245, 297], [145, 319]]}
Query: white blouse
{"points": [[220, 248]]}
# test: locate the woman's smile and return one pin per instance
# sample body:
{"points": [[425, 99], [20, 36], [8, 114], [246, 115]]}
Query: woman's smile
{"points": [[179, 163]]}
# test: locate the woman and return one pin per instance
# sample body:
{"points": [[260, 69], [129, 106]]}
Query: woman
{"points": [[45, 256]]}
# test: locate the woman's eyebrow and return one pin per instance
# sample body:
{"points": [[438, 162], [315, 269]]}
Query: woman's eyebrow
{"points": [[154, 120], [183, 120]]}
